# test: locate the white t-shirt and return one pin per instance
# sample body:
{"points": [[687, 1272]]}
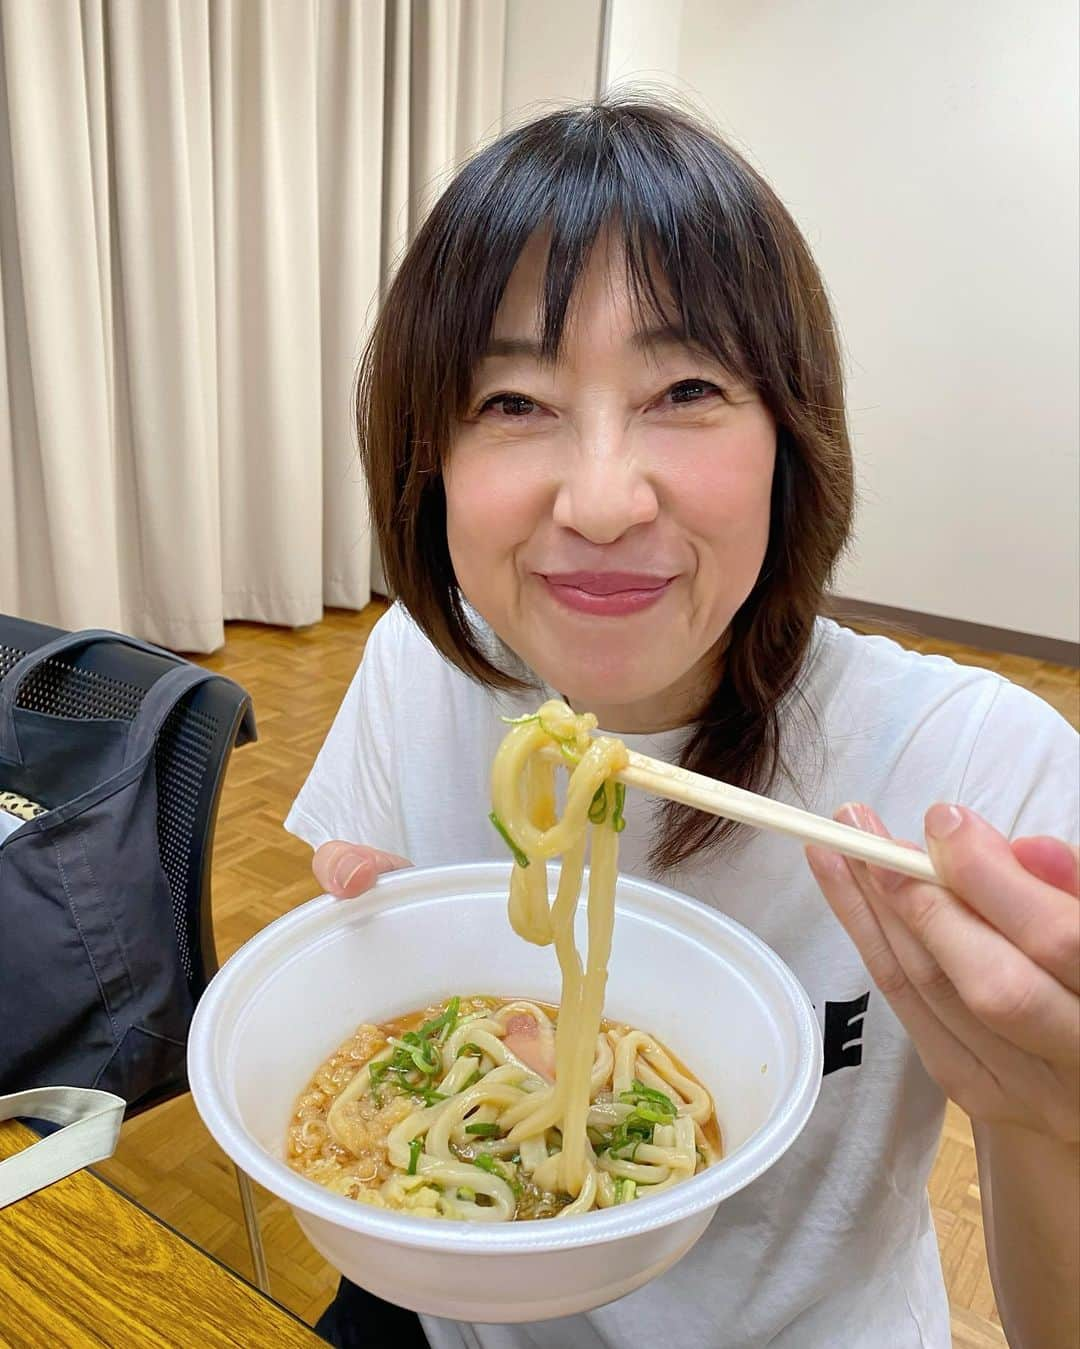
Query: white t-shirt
{"points": [[834, 1246]]}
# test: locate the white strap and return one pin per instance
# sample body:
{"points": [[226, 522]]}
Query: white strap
{"points": [[92, 1122]]}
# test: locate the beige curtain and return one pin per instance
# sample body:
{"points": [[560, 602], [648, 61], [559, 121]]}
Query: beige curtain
{"points": [[199, 203]]}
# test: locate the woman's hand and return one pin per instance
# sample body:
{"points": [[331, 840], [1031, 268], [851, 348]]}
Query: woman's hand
{"points": [[348, 869], [984, 974]]}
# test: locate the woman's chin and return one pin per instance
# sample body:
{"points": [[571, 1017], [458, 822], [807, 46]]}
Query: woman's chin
{"points": [[608, 687]]}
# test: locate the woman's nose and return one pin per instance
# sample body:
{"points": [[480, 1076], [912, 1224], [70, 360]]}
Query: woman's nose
{"points": [[604, 491]]}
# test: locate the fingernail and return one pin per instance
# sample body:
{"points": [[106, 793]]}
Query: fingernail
{"points": [[943, 820], [881, 878], [351, 877], [344, 872]]}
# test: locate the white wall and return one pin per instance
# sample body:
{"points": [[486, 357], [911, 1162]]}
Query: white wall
{"points": [[929, 151], [552, 55], [642, 40]]}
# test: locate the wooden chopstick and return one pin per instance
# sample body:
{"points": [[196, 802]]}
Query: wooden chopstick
{"points": [[735, 803]]}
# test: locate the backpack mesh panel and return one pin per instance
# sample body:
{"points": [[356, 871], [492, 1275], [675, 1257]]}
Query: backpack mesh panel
{"points": [[182, 760]]}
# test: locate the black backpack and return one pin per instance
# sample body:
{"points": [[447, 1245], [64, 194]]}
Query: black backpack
{"points": [[96, 988]]}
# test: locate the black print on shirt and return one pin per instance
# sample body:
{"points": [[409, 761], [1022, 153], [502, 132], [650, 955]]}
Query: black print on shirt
{"points": [[843, 1033]]}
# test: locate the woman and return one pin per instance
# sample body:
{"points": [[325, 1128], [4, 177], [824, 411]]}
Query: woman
{"points": [[603, 427]]}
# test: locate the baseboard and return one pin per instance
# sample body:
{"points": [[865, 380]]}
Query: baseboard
{"points": [[981, 635]]}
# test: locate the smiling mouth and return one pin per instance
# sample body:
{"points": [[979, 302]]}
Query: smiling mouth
{"points": [[606, 594]]}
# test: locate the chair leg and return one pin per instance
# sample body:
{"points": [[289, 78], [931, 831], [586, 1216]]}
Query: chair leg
{"points": [[254, 1235]]}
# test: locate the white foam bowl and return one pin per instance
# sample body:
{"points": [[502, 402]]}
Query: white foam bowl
{"points": [[714, 993]]}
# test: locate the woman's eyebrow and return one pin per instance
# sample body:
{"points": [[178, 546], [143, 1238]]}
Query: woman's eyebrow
{"points": [[644, 339], [660, 335], [514, 346]]}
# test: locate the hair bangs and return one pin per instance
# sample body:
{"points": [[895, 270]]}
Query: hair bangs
{"points": [[657, 195]]}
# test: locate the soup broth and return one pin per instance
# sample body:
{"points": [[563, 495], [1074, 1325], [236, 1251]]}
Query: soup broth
{"points": [[435, 1113]]}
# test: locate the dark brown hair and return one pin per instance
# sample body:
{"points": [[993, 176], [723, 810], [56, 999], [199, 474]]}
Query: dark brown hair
{"points": [[708, 247]]}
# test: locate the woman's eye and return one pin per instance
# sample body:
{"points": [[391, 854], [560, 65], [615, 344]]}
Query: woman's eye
{"points": [[509, 405], [692, 391]]}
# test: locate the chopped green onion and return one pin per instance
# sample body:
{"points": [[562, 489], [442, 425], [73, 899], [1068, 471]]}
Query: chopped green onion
{"points": [[444, 1023], [482, 1130], [415, 1148], [630, 1134], [486, 1162], [640, 1095], [625, 1190], [598, 805], [617, 821], [520, 721], [636, 1124], [470, 1048], [559, 739], [465, 1193], [652, 1114], [426, 1058], [430, 1097], [519, 856], [376, 1074], [651, 1094], [472, 1081], [626, 1150]]}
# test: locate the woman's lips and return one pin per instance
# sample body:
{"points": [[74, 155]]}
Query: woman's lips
{"points": [[610, 593]]}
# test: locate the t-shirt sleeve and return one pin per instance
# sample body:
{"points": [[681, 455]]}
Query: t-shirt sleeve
{"points": [[1024, 771], [348, 793]]}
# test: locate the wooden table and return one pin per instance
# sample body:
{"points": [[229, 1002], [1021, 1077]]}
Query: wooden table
{"points": [[80, 1264]]}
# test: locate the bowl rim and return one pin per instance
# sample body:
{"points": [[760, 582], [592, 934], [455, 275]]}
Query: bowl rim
{"points": [[396, 890]]}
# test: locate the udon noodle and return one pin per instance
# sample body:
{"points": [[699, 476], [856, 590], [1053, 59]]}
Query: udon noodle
{"points": [[494, 1109]]}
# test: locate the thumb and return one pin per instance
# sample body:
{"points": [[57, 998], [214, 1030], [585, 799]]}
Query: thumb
{"points": [[348, 869]]}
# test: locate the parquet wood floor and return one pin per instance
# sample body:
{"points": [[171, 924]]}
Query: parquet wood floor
{"points": [[167, 1161]]}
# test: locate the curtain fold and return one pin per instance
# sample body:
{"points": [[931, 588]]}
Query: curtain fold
{"points": [[352, 91], [63, 515], [199, 203], [169, 482]]}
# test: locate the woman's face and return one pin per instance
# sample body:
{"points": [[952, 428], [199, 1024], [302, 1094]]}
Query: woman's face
{"points": [[608, 514]]}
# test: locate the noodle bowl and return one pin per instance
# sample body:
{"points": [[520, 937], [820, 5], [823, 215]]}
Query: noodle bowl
{"points": [[303, 984]]}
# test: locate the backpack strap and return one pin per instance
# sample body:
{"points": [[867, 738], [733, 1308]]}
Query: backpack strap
{"points": [[33, 660], [91, 1121], [157, 703]]}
